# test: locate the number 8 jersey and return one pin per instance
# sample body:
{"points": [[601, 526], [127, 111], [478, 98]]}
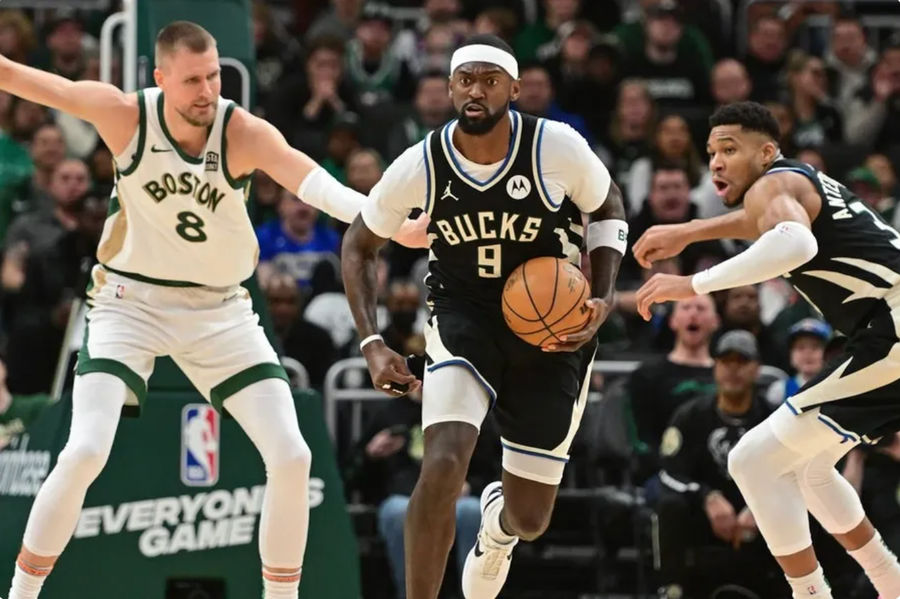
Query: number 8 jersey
{"points": [[176, 218]]}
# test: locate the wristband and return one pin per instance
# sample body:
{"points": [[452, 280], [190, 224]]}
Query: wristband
{"points": [[369, 340]]}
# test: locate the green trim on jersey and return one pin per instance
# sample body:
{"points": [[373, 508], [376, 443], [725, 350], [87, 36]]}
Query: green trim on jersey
{"points": [[142, 136], [162, 123], [86, 364], [151, 280], [245, 378], [241, 181]]}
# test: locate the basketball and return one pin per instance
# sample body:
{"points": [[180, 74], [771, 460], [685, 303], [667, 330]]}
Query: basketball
{"points": [[544, 298]]}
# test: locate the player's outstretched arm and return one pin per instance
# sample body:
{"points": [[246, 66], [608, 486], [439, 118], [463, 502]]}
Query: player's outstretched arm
{"points": [[358, 264], [108, 108], [785, 242], [607, 236], [259, 145], [665, 241]]}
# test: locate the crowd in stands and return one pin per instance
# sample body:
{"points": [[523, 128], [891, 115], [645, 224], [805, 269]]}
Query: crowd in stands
{"points": [[353, 83]]}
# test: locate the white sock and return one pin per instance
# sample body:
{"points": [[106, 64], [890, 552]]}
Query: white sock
{"points": [[492, 525], [811, 585], [27, 581], [880, 565], [280, 585]]}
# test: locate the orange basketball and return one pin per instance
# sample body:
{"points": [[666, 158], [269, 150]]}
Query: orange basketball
{"points": [[545, 298]]}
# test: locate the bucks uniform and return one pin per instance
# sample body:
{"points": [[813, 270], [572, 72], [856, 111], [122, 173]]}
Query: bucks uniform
{"points": [[854, 281], [485, 221], [175, 247]]}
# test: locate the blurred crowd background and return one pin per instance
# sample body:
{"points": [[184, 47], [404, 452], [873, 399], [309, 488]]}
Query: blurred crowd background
{"points": [[647, 505]]}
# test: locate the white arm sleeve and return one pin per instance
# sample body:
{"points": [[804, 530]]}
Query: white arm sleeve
{"points": [[776, 252], [401, 189], [323, 191], [567, 161]]}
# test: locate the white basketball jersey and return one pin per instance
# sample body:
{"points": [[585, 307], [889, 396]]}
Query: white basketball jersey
{"points": [[176, 218]]}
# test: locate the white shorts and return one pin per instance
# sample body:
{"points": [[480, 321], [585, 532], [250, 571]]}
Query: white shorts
{"points": [[211, 333]]}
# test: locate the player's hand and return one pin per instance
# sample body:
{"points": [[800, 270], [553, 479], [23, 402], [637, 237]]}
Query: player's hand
{"points": [[721, 516], [413, 233], [662, 288], [574, 341], [389, 371], [745, 528], [660, 242], [384, 444]]}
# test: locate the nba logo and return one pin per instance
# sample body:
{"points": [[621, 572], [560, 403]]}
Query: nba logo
{"points": [[199, 445]]}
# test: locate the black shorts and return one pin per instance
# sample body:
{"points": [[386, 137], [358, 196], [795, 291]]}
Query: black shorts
{"points": [[858, 393], [537, 397]]}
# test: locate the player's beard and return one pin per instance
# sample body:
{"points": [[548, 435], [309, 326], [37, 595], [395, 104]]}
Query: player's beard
{"points": [[198, 122], [483, 125]]}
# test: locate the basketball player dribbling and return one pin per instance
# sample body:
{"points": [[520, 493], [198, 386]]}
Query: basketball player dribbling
{"points": [[500, 188], [845, 260], [175, 247]]}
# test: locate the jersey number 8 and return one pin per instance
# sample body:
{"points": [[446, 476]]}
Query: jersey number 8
{"points": [[191, 227]]}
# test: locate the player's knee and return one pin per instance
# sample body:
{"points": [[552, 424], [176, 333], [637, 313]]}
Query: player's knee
{"points": [[740, 460], [293, 460], [86, 460], [443, 473], [529, 523]]}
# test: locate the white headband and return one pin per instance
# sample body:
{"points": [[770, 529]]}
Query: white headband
{"points": [[485, 53]]}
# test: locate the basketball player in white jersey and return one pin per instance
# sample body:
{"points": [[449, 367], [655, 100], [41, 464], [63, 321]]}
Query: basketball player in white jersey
{"points": [[175, 247]]}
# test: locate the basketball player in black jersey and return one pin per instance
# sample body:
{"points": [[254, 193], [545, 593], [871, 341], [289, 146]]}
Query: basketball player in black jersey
{"points": [[500, 188], [845, 261]]}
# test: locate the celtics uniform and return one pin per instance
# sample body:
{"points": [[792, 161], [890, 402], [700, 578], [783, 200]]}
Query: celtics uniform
{"points": [[175, 247]]}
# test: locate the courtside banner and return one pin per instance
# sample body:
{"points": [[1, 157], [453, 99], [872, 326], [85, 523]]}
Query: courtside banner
{"points": [[178, 502]]}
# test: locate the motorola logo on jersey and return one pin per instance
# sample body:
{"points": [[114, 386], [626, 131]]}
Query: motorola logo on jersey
{"points": [[518, 187], [489, 225], [199, 445]]}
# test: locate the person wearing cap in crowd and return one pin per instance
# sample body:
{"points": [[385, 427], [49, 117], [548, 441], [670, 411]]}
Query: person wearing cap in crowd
{"points": [[675, 67], [700, 505], [482, 179], [343, 140], [376, 71], [807, 340], [863, 182]]}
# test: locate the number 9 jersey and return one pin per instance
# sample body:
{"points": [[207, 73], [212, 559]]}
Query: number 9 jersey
{"points": [[173, 217]]}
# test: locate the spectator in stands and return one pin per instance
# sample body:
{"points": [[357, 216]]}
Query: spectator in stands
{"points": [[300, 339], [585, 72], [661, 385], [786, 123], [435, 36], [300, 246], [431, 109], [767, 44], [700, 506], [536, 96], [305, 105], [339, 21], [17, 39], [56, 271], [103, 174], [364, 169], [675, 76], [19, 122], [730, 82], [66, 48], [47, 150], [631, 129], [533, 36], [265, 194], [817, 119], [812, 157], [806, 345], [17, 412], [404, 333], [376, 72], [392, 459], [741, 310], [884, 170], [863, 182], [343, 139], [70, 182], [499, 21], [277, 53], [669, 202], [873, 117], [672, 143], [848, 61]]}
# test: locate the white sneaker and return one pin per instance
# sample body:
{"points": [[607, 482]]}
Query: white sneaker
{"points": [[487, 564]]}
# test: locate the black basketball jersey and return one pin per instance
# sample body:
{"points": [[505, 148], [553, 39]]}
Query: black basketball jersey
{"points": [[482, 230], [855, 273]]}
